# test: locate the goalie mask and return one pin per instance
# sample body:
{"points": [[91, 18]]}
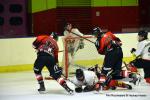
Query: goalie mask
{"points": [[79, 74], [68, 26], [97, 32]]}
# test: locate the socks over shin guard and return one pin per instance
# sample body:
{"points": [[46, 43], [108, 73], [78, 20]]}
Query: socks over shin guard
{"points": [[41, 83], [62, 82], [125, 73], [39, 78]]}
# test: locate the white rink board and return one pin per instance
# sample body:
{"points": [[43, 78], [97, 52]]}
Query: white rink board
{"points": [[17, 51]]}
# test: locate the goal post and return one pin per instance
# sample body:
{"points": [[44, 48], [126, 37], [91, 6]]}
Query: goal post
{"points": [[74, 57]]}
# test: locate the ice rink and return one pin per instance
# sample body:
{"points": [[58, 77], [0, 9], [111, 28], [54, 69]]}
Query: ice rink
{"points": [[23, 86]]}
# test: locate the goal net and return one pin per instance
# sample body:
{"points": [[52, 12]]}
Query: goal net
{"points": [[75, 57]]}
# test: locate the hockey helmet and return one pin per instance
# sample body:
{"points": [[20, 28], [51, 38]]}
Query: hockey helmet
{"points": [[143, 33], [54, 35], [97, 31], [79, 74]]}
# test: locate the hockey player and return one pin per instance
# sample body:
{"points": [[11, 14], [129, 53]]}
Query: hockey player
{"points": [[84, 81], [142, 54], [47, 55], [132, 74], [107, 82], [73, 45], [109, 45]]}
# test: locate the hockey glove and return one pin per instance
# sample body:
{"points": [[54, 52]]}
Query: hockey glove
{"points": [[133, 50], [78, 89], [88, 88]]}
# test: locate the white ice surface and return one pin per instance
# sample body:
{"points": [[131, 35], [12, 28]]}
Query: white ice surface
{"points": [[23, 86]]}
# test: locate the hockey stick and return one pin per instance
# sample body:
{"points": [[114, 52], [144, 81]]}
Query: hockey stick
{"points": [[126, 65], [134, 72], [69, 80], [79, 66], [50, 78], [81, 37]]}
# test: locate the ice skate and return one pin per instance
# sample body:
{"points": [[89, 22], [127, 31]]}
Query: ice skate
{"points": [[136, 79], [42, 89], [128, 86], [70, 91]]}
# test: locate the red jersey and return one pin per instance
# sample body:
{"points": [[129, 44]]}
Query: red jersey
{"points": [[105, 42], [46, 44]]}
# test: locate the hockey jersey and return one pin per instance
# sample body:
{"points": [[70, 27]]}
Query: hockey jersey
{"points": [[102, 43], [143, 49], [46, 44], [90, 79]]}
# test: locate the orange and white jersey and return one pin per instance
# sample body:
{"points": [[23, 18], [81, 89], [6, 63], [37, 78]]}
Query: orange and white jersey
{"points": [[40, 44], [105, 42], [143, 49]]}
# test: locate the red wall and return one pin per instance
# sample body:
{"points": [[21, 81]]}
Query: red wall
{"points": [[84, 18], [116, 18], [144, 13], [80, 17], [44, 22], [55, 19]]}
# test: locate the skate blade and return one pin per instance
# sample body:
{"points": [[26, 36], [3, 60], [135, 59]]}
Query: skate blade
{"points": [[98, 92], [139, 80], [71, 93]]}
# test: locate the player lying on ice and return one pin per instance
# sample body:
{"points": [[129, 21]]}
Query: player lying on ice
{"points": [[92, 79], [47, 55], [109, 82]]}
